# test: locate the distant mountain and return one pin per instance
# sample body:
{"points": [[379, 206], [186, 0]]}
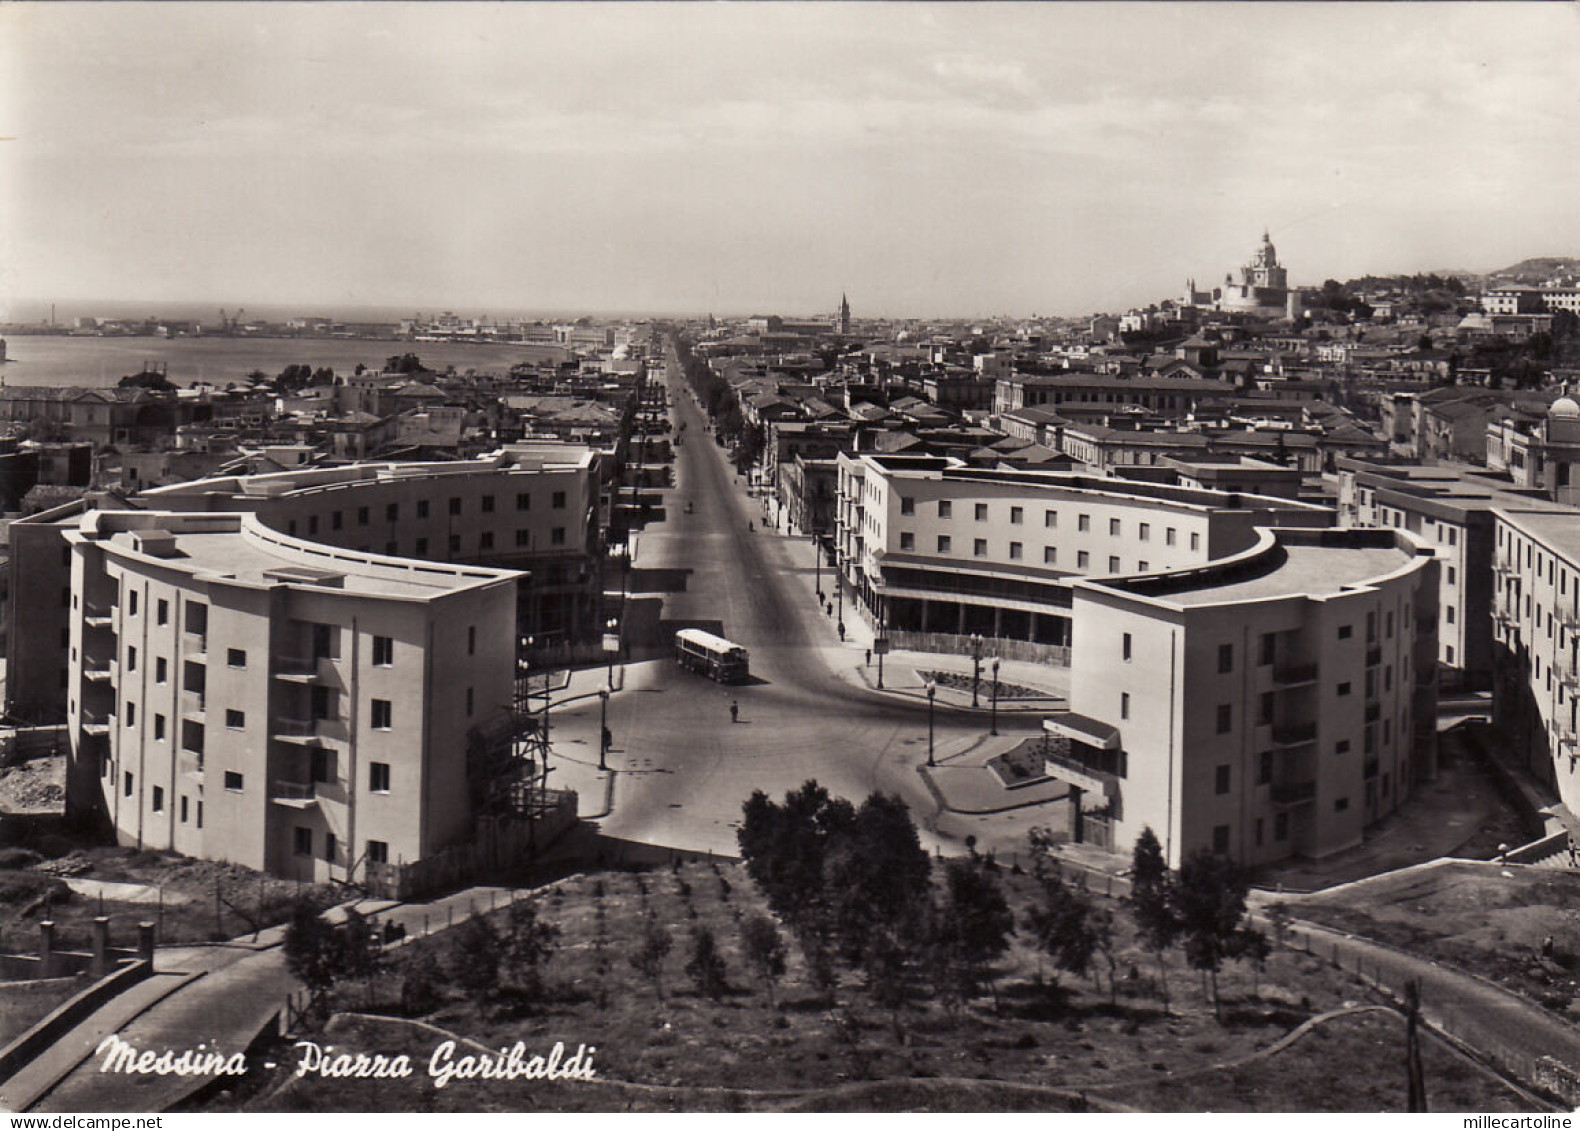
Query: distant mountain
{"points": [[1540, 270]]}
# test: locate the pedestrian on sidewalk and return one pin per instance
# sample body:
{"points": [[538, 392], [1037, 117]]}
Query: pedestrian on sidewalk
{"points": [[735, 711], [869, 657]]}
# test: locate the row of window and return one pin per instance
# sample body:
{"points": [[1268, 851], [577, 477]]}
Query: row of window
{"points": [[1017, 552], [1050, 521], [420, 548]]}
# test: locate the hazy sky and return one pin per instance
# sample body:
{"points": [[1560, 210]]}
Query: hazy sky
{"points": [[928, 159]]}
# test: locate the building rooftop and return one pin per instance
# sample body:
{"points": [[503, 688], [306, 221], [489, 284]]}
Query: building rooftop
{"points": [[1559, 530]]}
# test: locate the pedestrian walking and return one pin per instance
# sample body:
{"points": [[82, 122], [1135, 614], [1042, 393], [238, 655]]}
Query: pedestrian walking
{"points": [[869, 657], [735, 711]]}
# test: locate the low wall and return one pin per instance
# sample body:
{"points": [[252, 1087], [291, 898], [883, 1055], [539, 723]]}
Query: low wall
{"points": [[48, 1031]]}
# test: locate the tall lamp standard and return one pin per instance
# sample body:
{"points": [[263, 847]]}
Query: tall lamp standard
{"points": [[932, 690], [817, 568], [611, 645], [976, 666], [603, 728], [994, 728]]}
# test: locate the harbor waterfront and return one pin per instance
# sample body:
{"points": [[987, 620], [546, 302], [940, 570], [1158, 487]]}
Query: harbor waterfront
{"points": [[100, 362]]}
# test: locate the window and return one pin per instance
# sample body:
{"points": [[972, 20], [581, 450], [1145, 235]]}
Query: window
{"points": [[312, 524], [945, 508], [1143, 565], [455, 506], [131, 657], [1450, 581], [1280, 826], [471, 640], [455, 544], [1014, 551], [302, 840], [336, 521], [183, 808], [1346, 631], [422, 508], [131, 713], [362, 516], [1258, 827], [1342, 746], [1113, 528], [235, 658], [234, 719], [1388, 623], [162, 612], [943, 543], [1124, 704], [1195, 541], [557, 536], [1220, 839], [469, 702], [907, 506], [1344, 689], [1050, 555], [1264, 709], [159, 799], [979, 547], [1448, 615], [383, 714], [1145, 531], [1113, 563], [1124, 647], [159, 728], [1266, 644], [126, 784], [1168, 536], [523, 538], [200, 815], [523, 501], [383, 651], [557, 501], [1017, 515], [1220, 780], [330, 847], [1225, 658], [131, 603], [907, 540], [1264, 767], [1050, 519], [1225, 718], [392, 512], [379, 777], [378, 852], [1341, 804], [1082, 559], [981, 511], [1083, 522], [233, 782]]}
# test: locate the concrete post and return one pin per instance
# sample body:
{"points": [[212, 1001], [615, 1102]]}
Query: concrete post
{"points": [[46, 948], [101, 946], [145, 941]]}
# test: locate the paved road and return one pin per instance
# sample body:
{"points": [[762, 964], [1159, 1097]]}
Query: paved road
{"points": [[691, 767]]}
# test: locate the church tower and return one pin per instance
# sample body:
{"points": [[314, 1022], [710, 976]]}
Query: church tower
{"points": [[844, 315]]}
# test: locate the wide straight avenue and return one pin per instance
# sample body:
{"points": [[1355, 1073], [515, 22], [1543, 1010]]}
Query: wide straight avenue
{"points": [[690, 767]]}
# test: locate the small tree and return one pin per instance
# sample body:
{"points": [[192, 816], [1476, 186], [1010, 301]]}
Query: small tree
{"points": [[1062, 925], [1152, 903], [970, 930], [706, 967], [765, 951], [1209, 895], [421, 984], [528, 946], [474, 960], [650, 954], [312, 952], [359, 957]]}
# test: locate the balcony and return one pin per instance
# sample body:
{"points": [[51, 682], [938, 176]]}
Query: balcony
{"points": [[97, 723], [98, 616], [1373, 655], [194, 703], [96, 668], [196, 644], [1294, 793], [294, 795], [1073, 772], [1294, 734], [300, 669], [301, 732], [1373, 712], [190, 762], [1292, 675]]}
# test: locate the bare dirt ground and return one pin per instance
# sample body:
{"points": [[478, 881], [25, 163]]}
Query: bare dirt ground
{"points": [[35, 786], [1490, 920]]}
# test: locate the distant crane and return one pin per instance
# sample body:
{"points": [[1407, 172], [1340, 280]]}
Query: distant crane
{"points": [[230, 325]]}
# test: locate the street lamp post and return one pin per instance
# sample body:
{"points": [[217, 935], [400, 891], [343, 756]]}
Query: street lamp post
{"points": [[976, 667], [817, 568], [611, 645], [994, 728], [603, 729], [932, 690]]}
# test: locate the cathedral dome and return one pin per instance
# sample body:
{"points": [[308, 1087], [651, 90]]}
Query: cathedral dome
{"points": [[1565, 408]]}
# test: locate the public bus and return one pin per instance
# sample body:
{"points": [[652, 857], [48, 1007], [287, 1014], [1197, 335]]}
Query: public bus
{"points": [[710, 655]]}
